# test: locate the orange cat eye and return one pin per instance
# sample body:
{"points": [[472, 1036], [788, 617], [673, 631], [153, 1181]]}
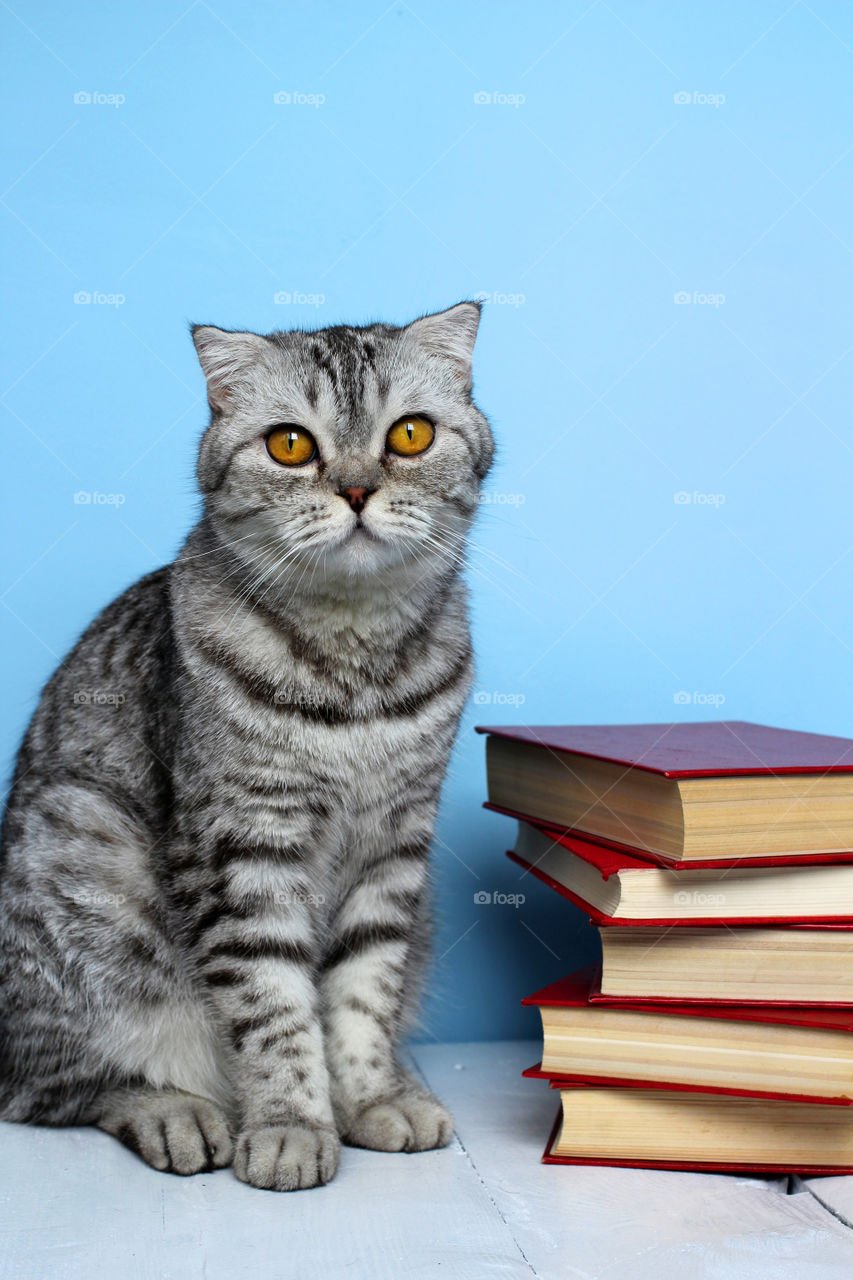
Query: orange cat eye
{"points": [[410, 436], [291, 446]]}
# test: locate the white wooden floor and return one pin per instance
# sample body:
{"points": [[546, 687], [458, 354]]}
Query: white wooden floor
{"points": [[74, 1203]]}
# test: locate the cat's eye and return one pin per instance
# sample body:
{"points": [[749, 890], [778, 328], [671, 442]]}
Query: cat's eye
{"points": [[410, 436], [291, 445]]}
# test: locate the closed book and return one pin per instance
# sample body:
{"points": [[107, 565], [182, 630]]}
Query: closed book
{"points": [[682, 793], [796, 964], [621, 889], [708, 1132], [762, 1051]]}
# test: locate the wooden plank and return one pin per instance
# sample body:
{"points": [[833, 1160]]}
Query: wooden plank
{"points": [[75, 1204], [596, 1222], [836, 1194]]}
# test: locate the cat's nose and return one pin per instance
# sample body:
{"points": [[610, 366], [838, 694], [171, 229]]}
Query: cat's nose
{"points": [[356, 496]]}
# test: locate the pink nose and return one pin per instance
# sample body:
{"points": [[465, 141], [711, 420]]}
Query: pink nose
{"points": [[357, 496]]}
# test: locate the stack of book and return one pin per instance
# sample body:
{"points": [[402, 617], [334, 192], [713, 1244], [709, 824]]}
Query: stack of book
{"points": [[716, 863]]}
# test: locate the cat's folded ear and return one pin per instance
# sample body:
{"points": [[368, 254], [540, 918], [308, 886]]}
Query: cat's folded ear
{"points": [[451, 334], [224, 357]]}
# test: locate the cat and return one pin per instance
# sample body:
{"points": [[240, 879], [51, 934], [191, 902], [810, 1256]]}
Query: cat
{"points": [[213, 899]]}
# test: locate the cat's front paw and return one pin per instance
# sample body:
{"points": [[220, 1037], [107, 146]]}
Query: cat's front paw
{"points": [[408, 1121], [287, 1157]]}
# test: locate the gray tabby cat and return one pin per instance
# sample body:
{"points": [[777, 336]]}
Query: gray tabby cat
{"points": [[213, 898]]}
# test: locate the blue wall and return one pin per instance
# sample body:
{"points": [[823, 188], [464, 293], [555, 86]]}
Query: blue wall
{"points": [[585, 196]]}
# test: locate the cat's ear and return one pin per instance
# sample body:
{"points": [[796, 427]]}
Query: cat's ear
{"points": [[450, 334], [224, 357]]}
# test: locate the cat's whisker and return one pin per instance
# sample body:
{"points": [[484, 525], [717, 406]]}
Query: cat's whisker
{"points": [[270, 563], [505, 565], [480, 572]]}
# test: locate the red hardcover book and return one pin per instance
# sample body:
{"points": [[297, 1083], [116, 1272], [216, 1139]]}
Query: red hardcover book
{"points": [[680, 794], [631, 1082], [716, 749], [736, 935], [679, 884], [572, 836], [666, 1046], [743, 1168], [582, 987]]}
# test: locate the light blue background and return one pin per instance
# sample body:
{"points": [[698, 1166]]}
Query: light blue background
{"points": [[596, 595]]}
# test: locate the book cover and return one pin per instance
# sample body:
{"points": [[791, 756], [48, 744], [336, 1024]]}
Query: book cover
{"points": [[566, 1079], [573, 838], [712, 749], [582, 987], [599, 918]]}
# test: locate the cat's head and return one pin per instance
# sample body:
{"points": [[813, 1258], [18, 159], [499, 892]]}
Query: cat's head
{"points": [[348, 449]]}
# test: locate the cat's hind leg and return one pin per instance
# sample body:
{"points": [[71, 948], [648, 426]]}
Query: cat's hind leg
{"points": [[173, 1131], [100, 1021], [175, 1109]]}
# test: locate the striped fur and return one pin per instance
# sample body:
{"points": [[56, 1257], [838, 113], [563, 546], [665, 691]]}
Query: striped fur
{"points": [[214, 878]]}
